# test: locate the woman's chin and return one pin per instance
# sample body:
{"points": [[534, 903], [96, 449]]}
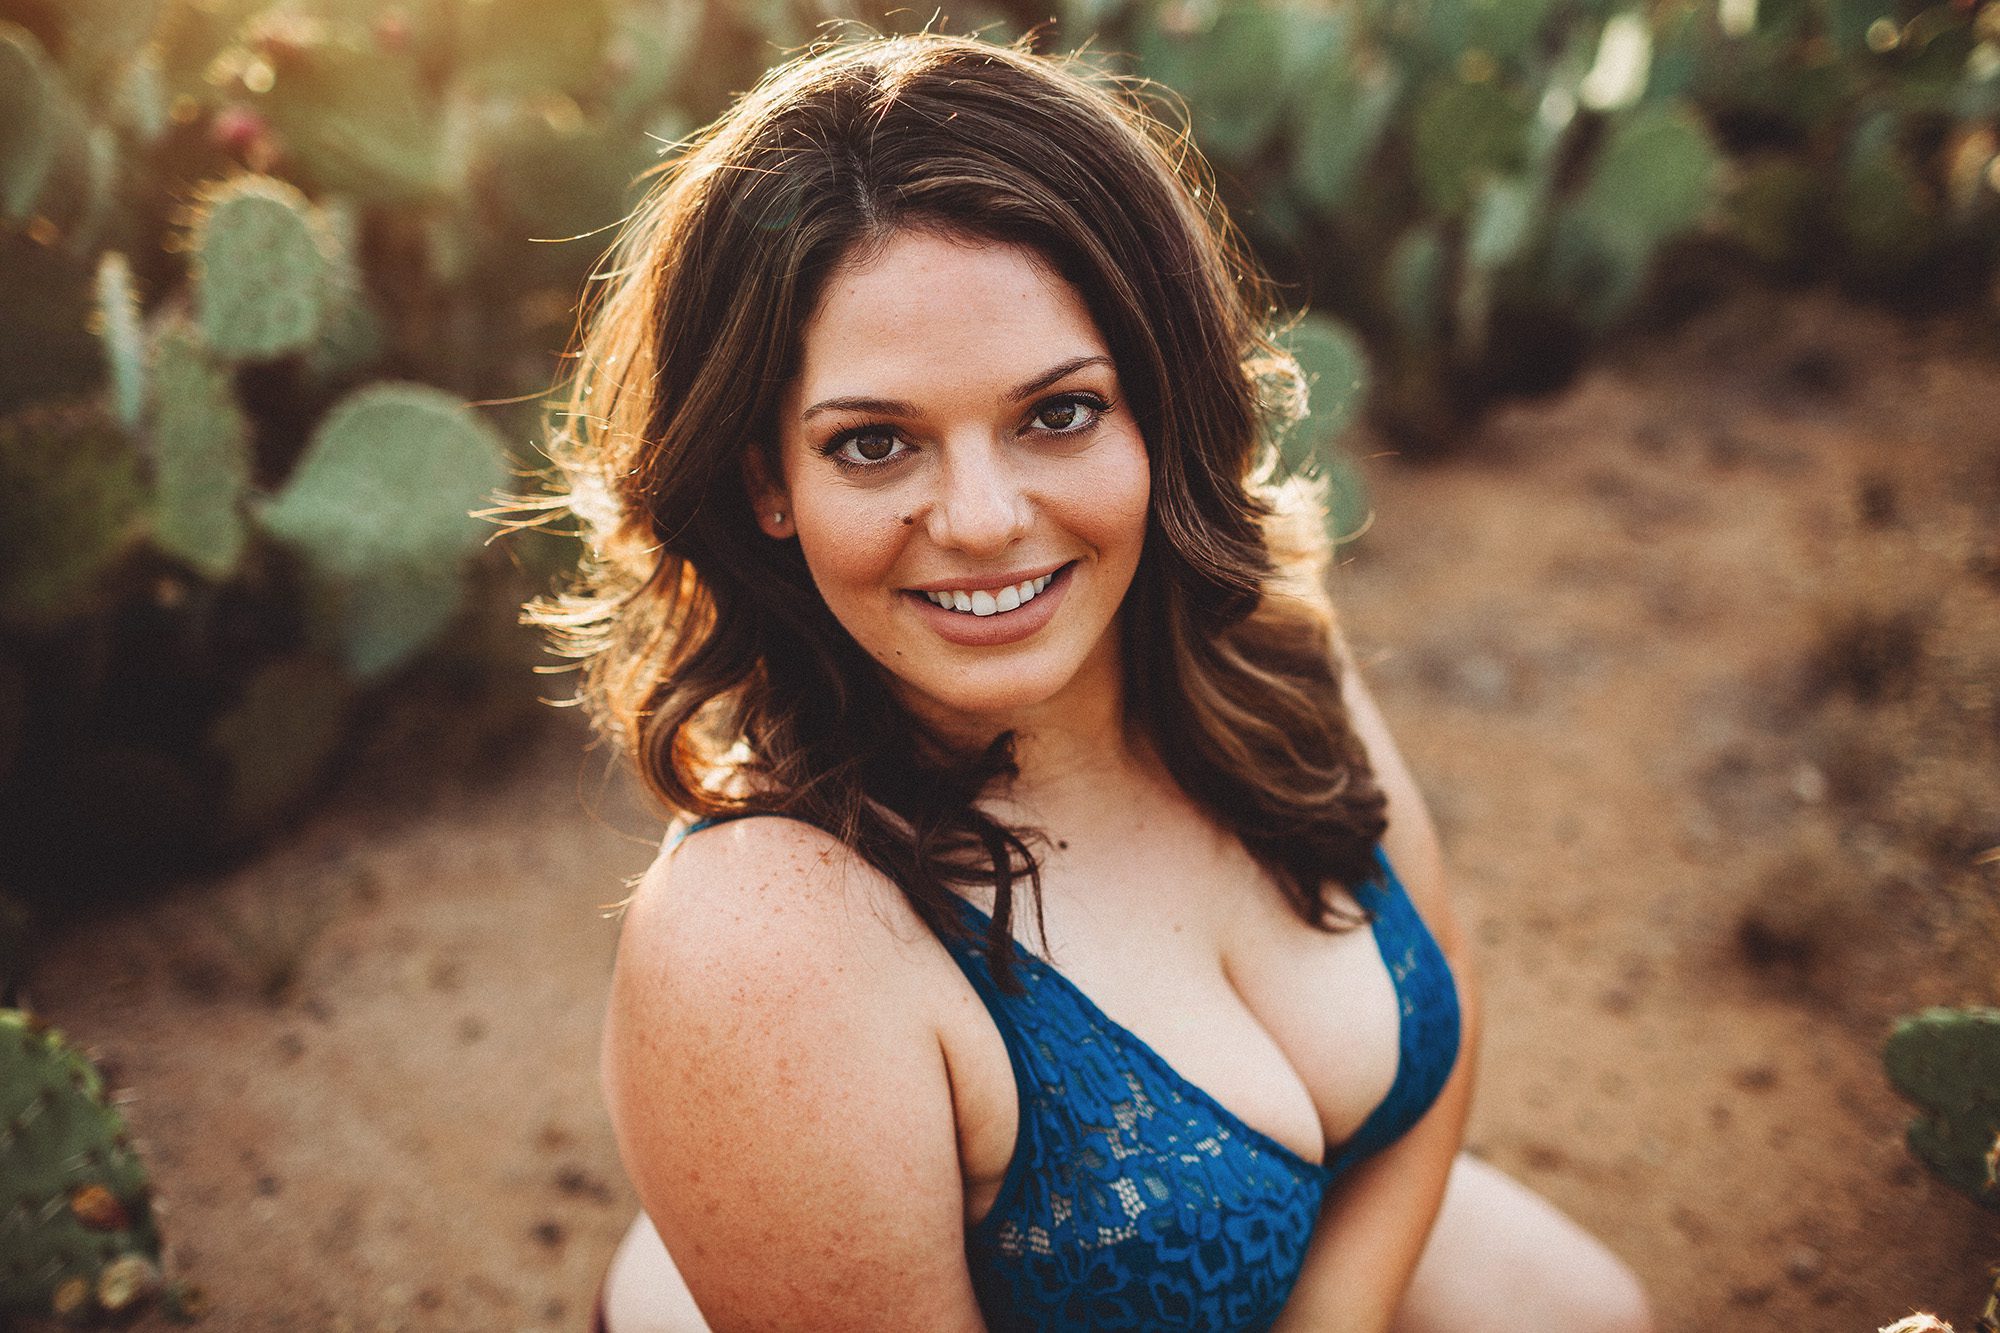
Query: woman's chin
{"points": [[975, 710]]}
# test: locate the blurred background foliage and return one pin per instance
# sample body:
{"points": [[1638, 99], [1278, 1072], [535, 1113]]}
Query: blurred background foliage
{"points": [[256, 260]]}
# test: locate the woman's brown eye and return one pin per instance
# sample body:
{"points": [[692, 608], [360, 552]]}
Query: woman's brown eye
{"points": [[1060, 416], [874, 448]]}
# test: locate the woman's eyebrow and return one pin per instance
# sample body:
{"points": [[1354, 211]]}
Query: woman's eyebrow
{"points": [[896, 407], [1048, 377]]}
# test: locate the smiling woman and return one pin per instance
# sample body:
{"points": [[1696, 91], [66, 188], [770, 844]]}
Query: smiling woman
{"points": [[917, 444], [999, 457]]}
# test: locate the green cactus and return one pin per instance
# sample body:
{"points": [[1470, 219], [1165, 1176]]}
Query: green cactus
{"points": [[351, 337], [1342, 118], [378, 508], [78, 504], [55, 165], [124, 344], [1888, 212], [278, 737], [649, 50], [31, 95], [1656, 177], [140, 103], [78, 1235], [1947, 1061], [1413, 283], [1460, 134], [1234, 65], [201, 456], [1335, 366], [530, 46], [263, 263], [357, 116]]}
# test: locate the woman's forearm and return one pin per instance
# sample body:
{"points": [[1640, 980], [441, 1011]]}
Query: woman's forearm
{"points": [[1374, 1223]]}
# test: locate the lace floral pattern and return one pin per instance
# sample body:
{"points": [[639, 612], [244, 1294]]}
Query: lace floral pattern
{"points": [[1134, 1199]]}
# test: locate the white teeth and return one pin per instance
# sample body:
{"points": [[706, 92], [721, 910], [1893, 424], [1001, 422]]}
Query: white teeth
{"points": [[983, 603]]}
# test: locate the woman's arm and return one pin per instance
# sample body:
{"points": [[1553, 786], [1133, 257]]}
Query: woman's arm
{"points": [[1374, 1223], [778, 1089]]}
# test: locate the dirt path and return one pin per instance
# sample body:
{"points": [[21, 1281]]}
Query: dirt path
{"points": [[1711, 835]]}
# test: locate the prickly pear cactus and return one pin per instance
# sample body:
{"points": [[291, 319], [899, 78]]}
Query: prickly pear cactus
{"points": [[27, 116], [1335, 366], [79, 506], [124, 345], [201, 455], [263, 269], [379, 509], [1947, 1061], [77, 1235]]}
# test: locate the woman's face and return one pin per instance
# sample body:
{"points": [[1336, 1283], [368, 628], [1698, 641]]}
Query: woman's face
{"points": [[964, 477]]}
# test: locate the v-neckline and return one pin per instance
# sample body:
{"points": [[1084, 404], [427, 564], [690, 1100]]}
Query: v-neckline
{"points": [[1334, 1159]]}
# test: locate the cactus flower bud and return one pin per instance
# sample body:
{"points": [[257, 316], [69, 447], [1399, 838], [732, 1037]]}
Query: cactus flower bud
{"points": [[392, 31], [238, 130], [70, 1298], [126, 1281], [99, 1209]]}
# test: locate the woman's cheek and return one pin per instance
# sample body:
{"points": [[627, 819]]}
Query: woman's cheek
{"points": [[849, 547], [1111, 498]]}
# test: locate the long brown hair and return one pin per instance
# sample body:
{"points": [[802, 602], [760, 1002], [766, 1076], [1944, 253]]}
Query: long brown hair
{"points": [[708, 655]]}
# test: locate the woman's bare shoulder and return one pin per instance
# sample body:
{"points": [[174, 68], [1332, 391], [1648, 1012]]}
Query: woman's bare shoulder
{"points": [[1411, 843], [731, 899], [776, 1082]]}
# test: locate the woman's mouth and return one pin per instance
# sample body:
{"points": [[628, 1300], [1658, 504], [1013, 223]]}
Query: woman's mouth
{"points": [[988, 601], [983, 617]]}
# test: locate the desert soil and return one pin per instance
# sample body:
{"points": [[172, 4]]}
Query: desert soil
{"points": [[1697, 663]]}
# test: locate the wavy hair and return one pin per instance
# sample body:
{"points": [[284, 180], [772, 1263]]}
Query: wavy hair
{"points": [[708, 656]]}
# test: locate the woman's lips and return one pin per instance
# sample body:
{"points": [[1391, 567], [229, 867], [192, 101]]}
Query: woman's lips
{"points": [[971, 631]]}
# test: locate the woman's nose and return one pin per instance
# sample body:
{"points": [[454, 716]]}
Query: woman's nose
{"points": [[980, 506]]}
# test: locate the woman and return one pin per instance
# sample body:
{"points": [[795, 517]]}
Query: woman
{"points": [[918, 442]]}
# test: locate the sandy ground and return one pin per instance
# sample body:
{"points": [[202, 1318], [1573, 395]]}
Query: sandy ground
{"points": [[1710, 845]]}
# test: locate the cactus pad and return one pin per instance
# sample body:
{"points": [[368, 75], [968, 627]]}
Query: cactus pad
{"points": [[1460, 133], [379, 507], [78, 502], [356, 119], [263, 265], [76, 1225], [291, 715], [1947, 1061], [1655, 178], [1336, 370], [28, 131], [351, 337], [124, 347], [1337, 383], [201, 456]]}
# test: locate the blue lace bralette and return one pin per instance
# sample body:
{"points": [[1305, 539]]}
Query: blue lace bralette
{"points": [[1134, 1199]]}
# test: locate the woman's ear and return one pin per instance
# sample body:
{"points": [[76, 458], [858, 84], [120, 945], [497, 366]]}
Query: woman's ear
{"points": [[767, 495]]}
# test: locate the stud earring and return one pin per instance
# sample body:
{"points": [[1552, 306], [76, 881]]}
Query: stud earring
{"points": [[778, 517]]}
